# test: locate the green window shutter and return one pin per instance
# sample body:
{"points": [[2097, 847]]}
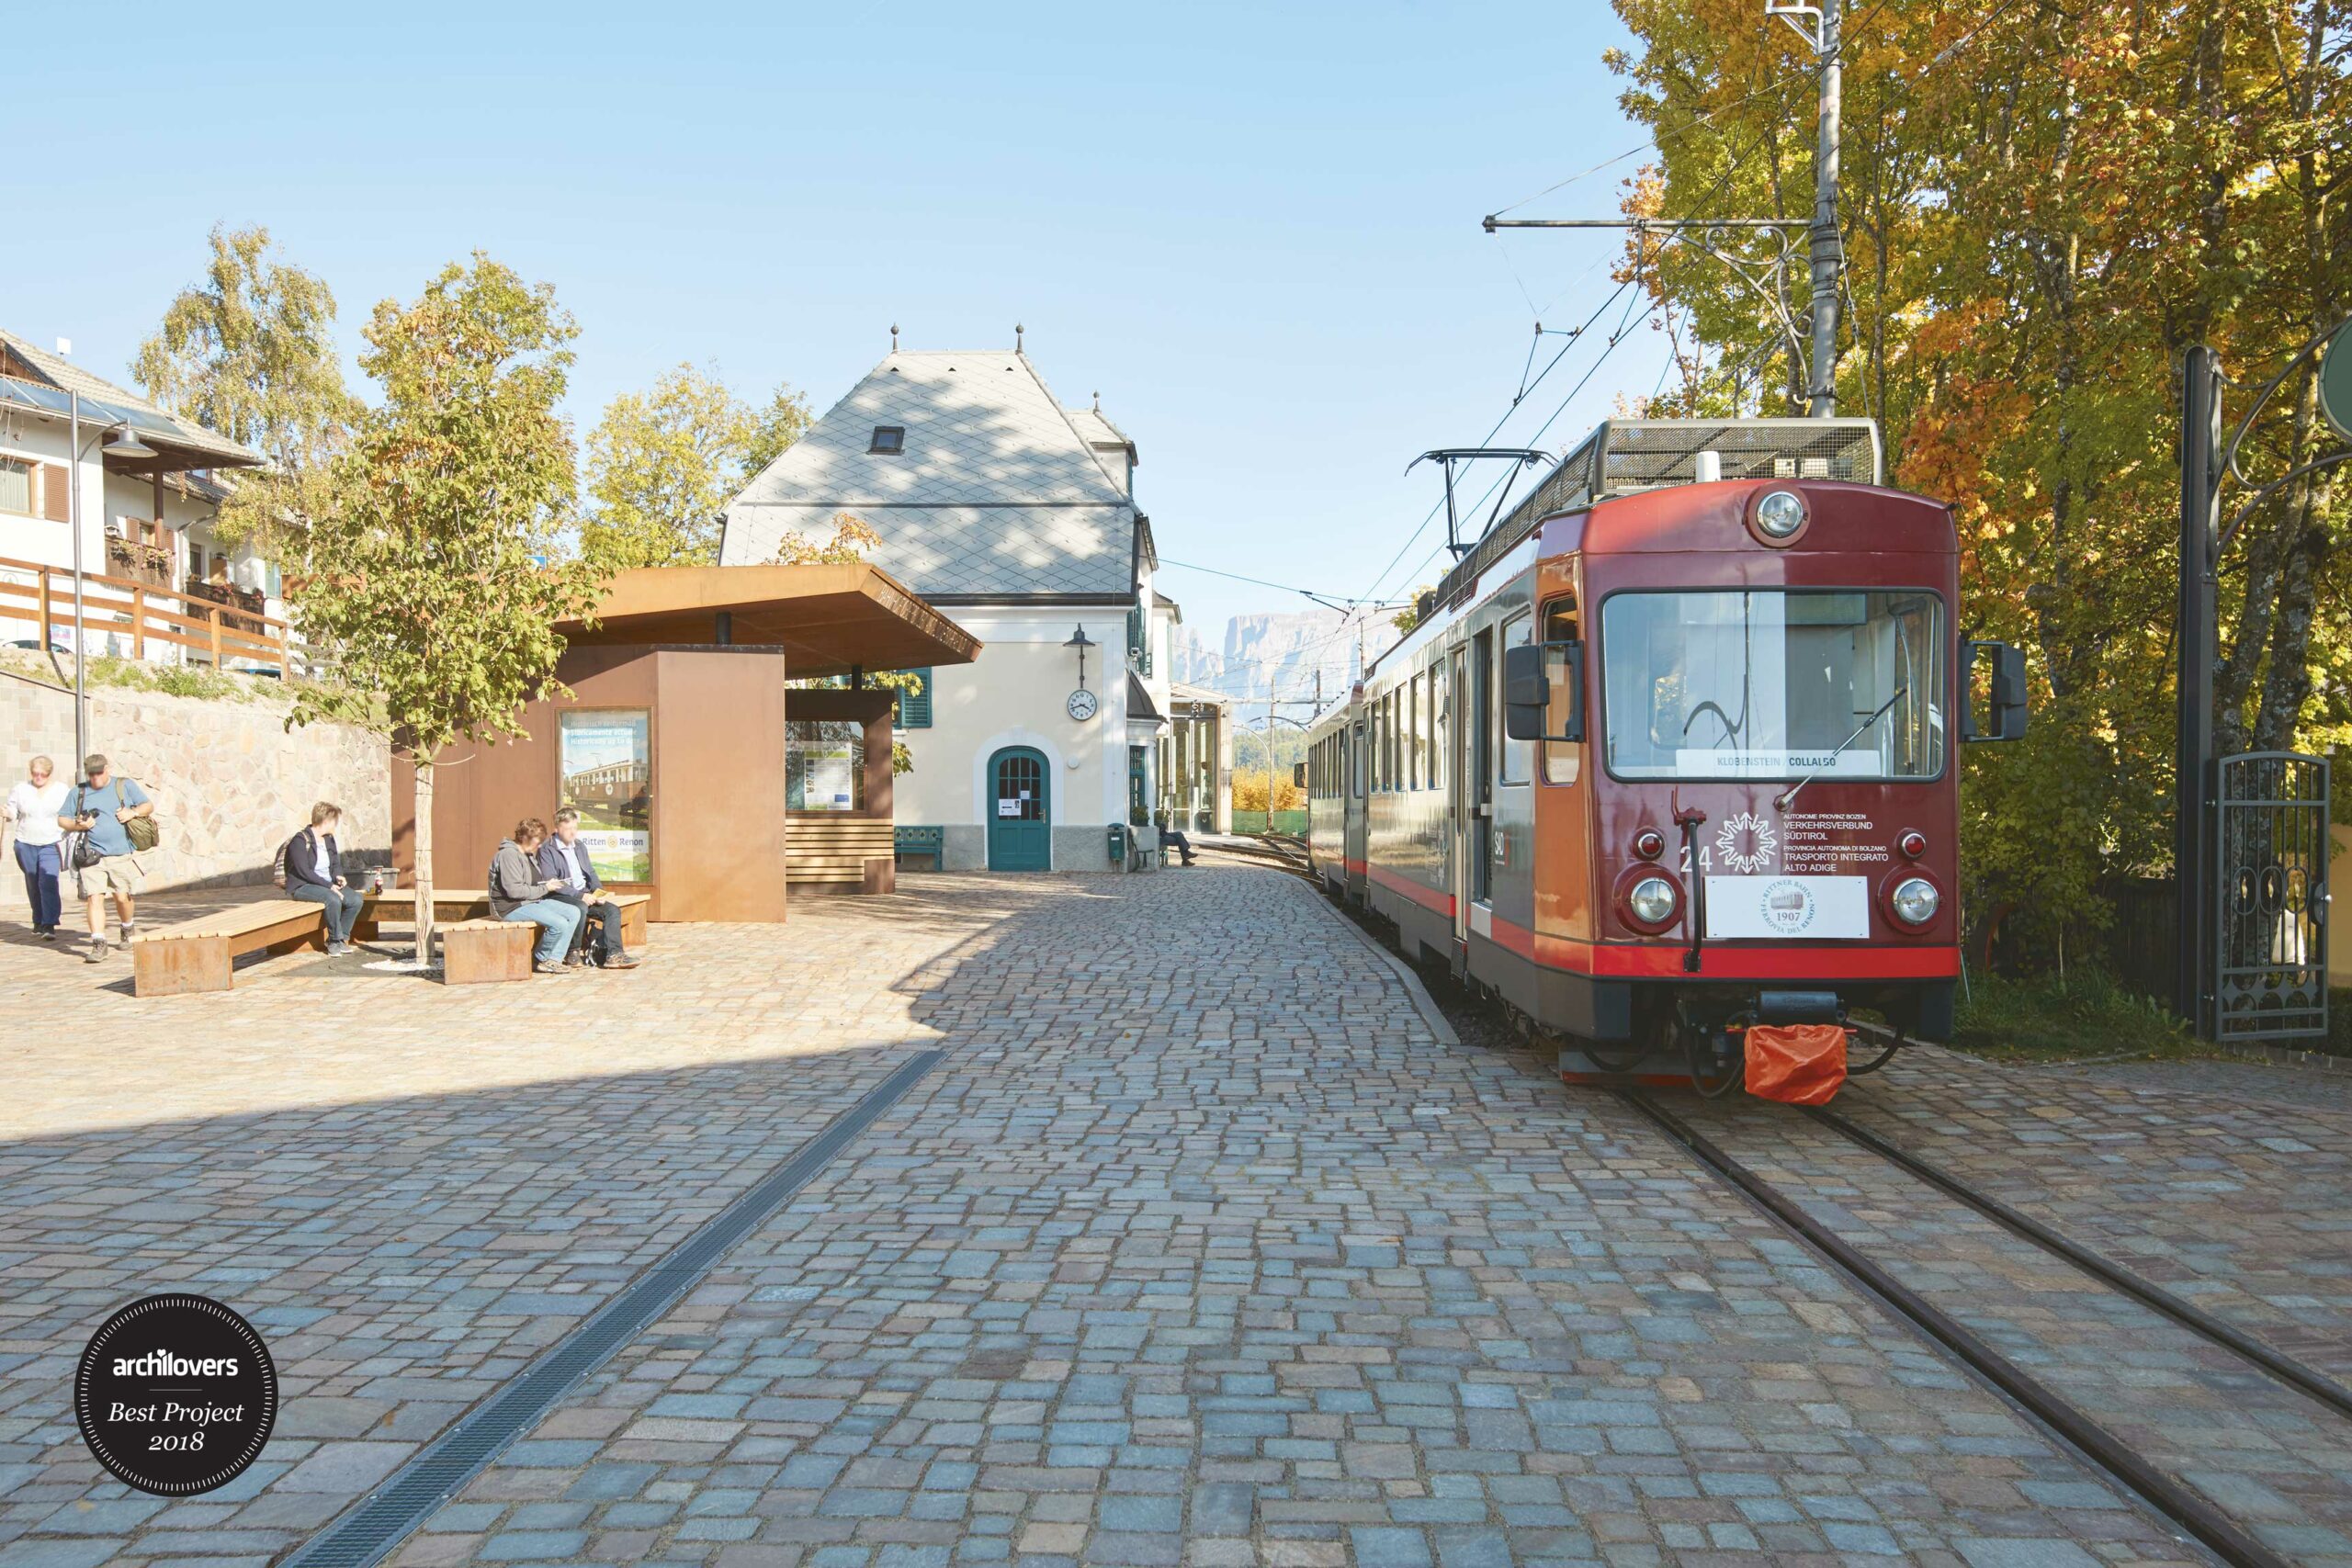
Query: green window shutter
{"points": [[914, 706]]}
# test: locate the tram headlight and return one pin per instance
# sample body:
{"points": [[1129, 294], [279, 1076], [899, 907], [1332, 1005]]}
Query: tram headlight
{"points": [[1652, 900], [1915, 900], [1781, 513]]}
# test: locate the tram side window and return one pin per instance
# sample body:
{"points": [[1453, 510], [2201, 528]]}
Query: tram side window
{"points": [[1438, 728], [1422, 730], [1518, 756], [1404, 734], [1561, 627], [1388, 741], [1413, 733]]}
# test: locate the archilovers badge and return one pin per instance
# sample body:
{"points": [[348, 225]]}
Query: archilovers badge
{"points": [[176, 1394]]}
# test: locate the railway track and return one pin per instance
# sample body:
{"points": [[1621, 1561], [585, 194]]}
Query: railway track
{"points": [[2101, 1448], [2166, 1493], [1261, 851]]}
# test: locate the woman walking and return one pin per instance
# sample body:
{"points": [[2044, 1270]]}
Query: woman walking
{"points": [[31, 815]]}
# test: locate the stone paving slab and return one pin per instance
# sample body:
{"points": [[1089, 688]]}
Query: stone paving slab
{"points": [[1201, 1247]]}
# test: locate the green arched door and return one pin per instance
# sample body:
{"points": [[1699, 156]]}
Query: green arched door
{"points": [[1021, 824]]}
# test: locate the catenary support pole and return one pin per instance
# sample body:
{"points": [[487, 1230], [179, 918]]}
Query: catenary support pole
{"points": [[2196, 644], [1828, 250]]}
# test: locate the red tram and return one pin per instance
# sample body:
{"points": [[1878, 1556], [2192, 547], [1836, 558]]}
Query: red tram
{"points": [[1668, 763]]}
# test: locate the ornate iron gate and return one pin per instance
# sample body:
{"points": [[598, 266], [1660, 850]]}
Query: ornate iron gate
{"points": [[2271, 845]]}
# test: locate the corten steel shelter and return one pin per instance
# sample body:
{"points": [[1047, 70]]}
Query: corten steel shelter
{"points": [[693, 783]]}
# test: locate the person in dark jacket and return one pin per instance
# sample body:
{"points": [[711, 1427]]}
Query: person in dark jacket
{"points": [[563, 858], [518, 891], [314, 864]]}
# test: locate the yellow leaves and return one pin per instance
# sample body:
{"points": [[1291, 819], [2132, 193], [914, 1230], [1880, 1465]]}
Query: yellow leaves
{"points": [[852, 538]]}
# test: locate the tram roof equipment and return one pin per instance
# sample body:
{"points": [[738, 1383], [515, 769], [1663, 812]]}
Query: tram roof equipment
{"points": [[1626, 456]]}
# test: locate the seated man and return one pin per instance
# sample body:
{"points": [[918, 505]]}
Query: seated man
{"points": [[1170, 838], [517, 892], [562, 859]]}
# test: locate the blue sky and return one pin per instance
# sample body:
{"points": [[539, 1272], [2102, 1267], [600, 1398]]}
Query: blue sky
{"points": [[1253, 228]]}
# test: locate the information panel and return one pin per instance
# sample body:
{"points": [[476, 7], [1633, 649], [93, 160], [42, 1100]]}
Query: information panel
{"points": [[607, 771]]}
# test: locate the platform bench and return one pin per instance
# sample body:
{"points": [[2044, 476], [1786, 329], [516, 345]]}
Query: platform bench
{"points": [[928, 842], [201, 954], [452, 904], [476, 953]]}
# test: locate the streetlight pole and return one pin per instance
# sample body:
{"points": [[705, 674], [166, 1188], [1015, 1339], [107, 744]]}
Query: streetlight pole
{"points": [[74, 526]]}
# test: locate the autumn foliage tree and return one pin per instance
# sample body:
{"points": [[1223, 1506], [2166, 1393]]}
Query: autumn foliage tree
{"points": [[662, 465], [434, 578], [249, 351], [2042, 208]]}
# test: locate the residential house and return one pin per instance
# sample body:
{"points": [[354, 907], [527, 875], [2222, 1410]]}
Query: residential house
{"points": [[1016, 516], [146, 518]]}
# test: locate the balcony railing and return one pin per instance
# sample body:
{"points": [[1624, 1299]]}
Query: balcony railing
{"points": [[134, 561], [206, 622]]}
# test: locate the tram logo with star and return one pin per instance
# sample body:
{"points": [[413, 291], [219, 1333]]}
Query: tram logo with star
{"points": [[1746, 844]]}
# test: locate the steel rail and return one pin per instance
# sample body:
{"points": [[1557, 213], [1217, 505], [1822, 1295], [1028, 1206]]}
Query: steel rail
{"points": [[2093, 1442], [2285, 1368]]}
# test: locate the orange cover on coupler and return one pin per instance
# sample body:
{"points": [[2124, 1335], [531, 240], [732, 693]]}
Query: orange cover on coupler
{"points": [[1801, 1064]]}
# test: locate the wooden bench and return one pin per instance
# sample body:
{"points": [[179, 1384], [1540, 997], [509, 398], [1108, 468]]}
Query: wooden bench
{"points": [[475, 953], [201, 954], [840, 854], [454, 904]]}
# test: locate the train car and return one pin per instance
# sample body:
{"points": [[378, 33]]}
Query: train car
{"points": [[1335, 799], [1669, 764]]}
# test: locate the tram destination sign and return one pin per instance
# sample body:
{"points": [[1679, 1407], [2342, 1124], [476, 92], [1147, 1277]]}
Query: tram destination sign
{"points": [[2335, 381]]}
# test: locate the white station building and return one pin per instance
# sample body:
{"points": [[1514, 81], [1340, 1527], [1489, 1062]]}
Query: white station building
{"points": [[1017, 517]]}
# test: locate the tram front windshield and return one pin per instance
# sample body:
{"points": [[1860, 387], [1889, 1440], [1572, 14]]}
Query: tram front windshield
{"points": [[1744, 683]]}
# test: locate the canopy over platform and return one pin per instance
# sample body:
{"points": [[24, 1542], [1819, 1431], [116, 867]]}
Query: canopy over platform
{"points": [[828, 619]]}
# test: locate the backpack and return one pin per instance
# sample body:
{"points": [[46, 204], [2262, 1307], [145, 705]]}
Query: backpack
{"points": [[143, 832]]}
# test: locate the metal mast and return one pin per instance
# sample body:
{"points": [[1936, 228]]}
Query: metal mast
{"points": [[1820, 26]]}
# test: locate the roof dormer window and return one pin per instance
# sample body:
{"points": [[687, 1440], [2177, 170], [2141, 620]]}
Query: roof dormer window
{"points": [[890, 439]]}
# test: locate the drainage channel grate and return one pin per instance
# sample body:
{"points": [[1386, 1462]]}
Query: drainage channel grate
{"points": [[386, 1516]]}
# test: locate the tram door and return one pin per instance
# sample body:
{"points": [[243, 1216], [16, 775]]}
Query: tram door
{"points": [[1459, 773], [1480, 776]]}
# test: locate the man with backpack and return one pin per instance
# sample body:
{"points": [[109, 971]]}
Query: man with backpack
{"points": [[112, 820]]}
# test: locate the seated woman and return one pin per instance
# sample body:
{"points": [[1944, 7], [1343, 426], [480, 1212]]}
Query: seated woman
{"points": [[313, 865], [517, 892]]}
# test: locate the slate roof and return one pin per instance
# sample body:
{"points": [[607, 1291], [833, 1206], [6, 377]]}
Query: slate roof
{"points": [[997, 493], [1097, 430], [185, 434]]}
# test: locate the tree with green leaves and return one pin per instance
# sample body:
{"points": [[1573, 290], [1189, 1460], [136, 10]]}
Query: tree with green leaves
{"points": [[434, 581], [661, 466], [774, 428], [249, 352], [2042, 207]]}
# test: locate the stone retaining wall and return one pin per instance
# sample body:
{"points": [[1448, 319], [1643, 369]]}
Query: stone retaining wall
{"points": [[230, 782]]}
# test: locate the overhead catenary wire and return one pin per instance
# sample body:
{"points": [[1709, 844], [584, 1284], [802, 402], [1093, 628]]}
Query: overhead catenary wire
{"points": [[1615, 339], [1438, 505]]}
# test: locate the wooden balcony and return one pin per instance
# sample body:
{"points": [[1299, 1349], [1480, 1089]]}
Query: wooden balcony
{"points": [[221, 626], [132, 561]]}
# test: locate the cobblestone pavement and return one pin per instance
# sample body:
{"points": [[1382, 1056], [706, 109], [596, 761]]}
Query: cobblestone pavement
{"points": [[1202, 1246], [2228, 1078]]}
